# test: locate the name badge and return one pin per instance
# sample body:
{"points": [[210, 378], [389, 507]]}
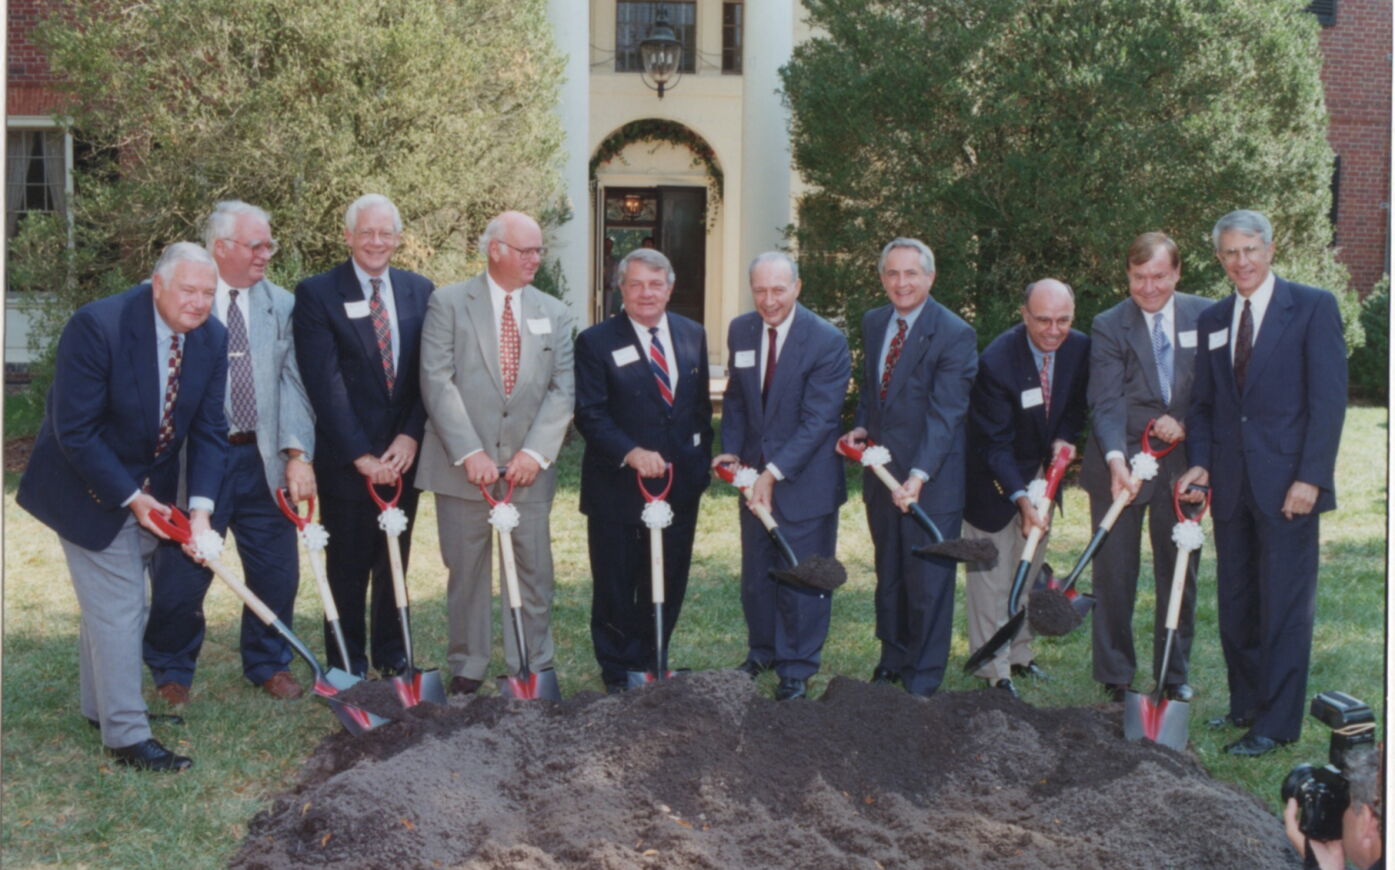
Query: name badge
{"points": [[745, 359], [1187, 338], [1031, 398], [540, 326], [697, 439], [1217, 339], [625, 355], [355, 310]]}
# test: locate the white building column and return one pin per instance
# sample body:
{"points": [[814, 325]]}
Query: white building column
{"points": [[571, 242], [764, 199]]}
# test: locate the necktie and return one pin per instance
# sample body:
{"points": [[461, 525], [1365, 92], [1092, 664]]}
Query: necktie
{"points": [[1244, 345], [508, 347], [658, 364], [162, 441], [893, 353], [1162, 355], [243, 398], [1046, 383], [769, 364], [382, 330]]}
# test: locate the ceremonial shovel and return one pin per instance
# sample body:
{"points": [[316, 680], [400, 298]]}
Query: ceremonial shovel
{"points": [[1057, 608], [876, 458], [327, 684], [825, 575], [526, 684], [1016, 616], [1160, 719], [314, 537], [413, 686], [658, 515]]}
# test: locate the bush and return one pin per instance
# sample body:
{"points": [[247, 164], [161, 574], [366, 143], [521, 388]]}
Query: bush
{"points": [[1370, 364]]}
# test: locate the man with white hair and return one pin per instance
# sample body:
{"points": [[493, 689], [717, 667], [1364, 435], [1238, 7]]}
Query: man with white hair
{"points": [[357, 334], [137, 376], [496, 371], [270, 437]]}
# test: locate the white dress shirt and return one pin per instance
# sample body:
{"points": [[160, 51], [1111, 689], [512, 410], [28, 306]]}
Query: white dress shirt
{"points": [[782, 332], [385, 291], [1259, 303], [646, 341]]}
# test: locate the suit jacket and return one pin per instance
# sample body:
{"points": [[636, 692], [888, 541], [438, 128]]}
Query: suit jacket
{"points": [[1287, 423], [343, 373], [798, 425], [96, 445], [618, 408], [1007, 442], [1124, 392], [921, 421], [464, 388]]}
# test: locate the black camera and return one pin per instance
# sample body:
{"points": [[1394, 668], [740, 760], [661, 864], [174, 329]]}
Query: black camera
{"points": [[1323, 792]]}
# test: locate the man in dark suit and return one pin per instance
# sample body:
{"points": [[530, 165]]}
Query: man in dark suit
{"points": [[642, 404], [1142, 355], [787, 376], [357, 334], [1028, 402], [271, 433], [137, 375], [1265, 423], [918, 366]]}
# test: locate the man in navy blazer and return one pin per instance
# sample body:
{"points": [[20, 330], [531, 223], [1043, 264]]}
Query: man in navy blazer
{"points": [[1266, 420], [913, 396], [357, 334], [637, 421], [787, 376], [137, 376], [1028, 402]]}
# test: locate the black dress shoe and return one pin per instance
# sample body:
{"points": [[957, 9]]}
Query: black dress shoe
{"points": [[1006, 685], [1253, 745], [790, 689], [1180, 692], [1030, 669], [1229, 721], [150, 755], [752, 668], [1114, 691], [464, 685], [885, 676]]}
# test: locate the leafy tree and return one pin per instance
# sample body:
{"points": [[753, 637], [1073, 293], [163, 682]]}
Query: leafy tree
{"points": [[446, 106], [1369, 364], [1030, 138]]}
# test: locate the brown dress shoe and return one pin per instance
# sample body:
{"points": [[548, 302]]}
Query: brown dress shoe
{"points": [[282, 685], [175, 694], [464, 685]]}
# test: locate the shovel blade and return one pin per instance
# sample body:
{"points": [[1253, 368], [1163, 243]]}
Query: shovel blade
{"points": [[1164, 722], [355, 720], [536, 685], [1082, 603], [419, 686], [635, 679], [340, 680]]}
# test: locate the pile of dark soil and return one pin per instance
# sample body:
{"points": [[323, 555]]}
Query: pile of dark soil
{"points": [[701, 772]]}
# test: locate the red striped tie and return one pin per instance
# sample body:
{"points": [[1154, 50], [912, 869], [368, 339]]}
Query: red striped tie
{"points": [[658, 363]]}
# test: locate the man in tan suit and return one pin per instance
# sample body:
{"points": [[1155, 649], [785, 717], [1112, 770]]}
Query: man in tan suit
{"points": [[496, 373]]}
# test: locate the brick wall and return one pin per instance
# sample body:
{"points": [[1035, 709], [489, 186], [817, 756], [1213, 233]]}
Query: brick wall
{"points": [[1356, 77], [27, 90]]}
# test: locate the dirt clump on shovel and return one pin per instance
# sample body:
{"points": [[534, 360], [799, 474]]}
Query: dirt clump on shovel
{"points": [[1050, 613], [816, 572], [703, 772]]}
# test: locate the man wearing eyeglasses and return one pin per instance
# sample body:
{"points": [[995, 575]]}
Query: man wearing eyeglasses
{"points": [[1268, 399], [357, 338], [271, 436], [496, 372]]}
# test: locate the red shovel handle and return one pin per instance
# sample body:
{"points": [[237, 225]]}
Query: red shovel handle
{"points": [[725, 472], [177, 526], [644, 490], [1177, 504], [373, 491], [1148, 447], [851, 451], [1056, 472], [290, 510], [508, 496]]}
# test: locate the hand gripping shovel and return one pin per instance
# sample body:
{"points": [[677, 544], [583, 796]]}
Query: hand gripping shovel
{"points": [[328, 684], [526, 684], [658, 515], [1057, 608], [1016, 616], [876, 458], [413, 686], [822, 573], [1155, 717]]}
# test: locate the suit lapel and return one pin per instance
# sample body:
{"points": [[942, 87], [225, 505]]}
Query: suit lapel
{"points": [[1271, 330], [479, 311], [1030, 378], [789, 364], [1139, 335], [350, 293], [1183, 358], [261, 334], [139, 328], [1223, 370], [529, 309], [916, 344]]}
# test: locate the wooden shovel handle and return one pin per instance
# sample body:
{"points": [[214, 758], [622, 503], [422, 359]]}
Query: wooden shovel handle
{"points": [[510, 570], [656, 565], [254, 604], [1179, 585]]}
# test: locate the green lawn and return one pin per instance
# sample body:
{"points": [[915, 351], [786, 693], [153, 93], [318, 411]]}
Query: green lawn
{"points": [[64, 803]]}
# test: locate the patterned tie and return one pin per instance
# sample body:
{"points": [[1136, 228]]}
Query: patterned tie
{"points": [[1162, 355], [1244, 345], [166, 436], [243, 390], [1046, 383], [893, 353], [382, 330], [658, 364], [769, 365], [508, 347]]}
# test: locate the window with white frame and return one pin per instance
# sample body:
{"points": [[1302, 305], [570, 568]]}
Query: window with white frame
{"points": [[36, 175], [634, 19]]}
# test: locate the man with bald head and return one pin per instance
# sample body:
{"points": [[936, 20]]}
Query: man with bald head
{"points": [[496, 373], [1028, 402]]}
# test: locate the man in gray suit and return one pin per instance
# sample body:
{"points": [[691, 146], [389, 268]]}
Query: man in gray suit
{"points": [[496, 378], [270, 438], [1141, 360]]}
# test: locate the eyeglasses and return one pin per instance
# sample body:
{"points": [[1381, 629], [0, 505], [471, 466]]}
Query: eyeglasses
{"points": [[268, 248], [1233, 255], [527, 252], [387, 236]]}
